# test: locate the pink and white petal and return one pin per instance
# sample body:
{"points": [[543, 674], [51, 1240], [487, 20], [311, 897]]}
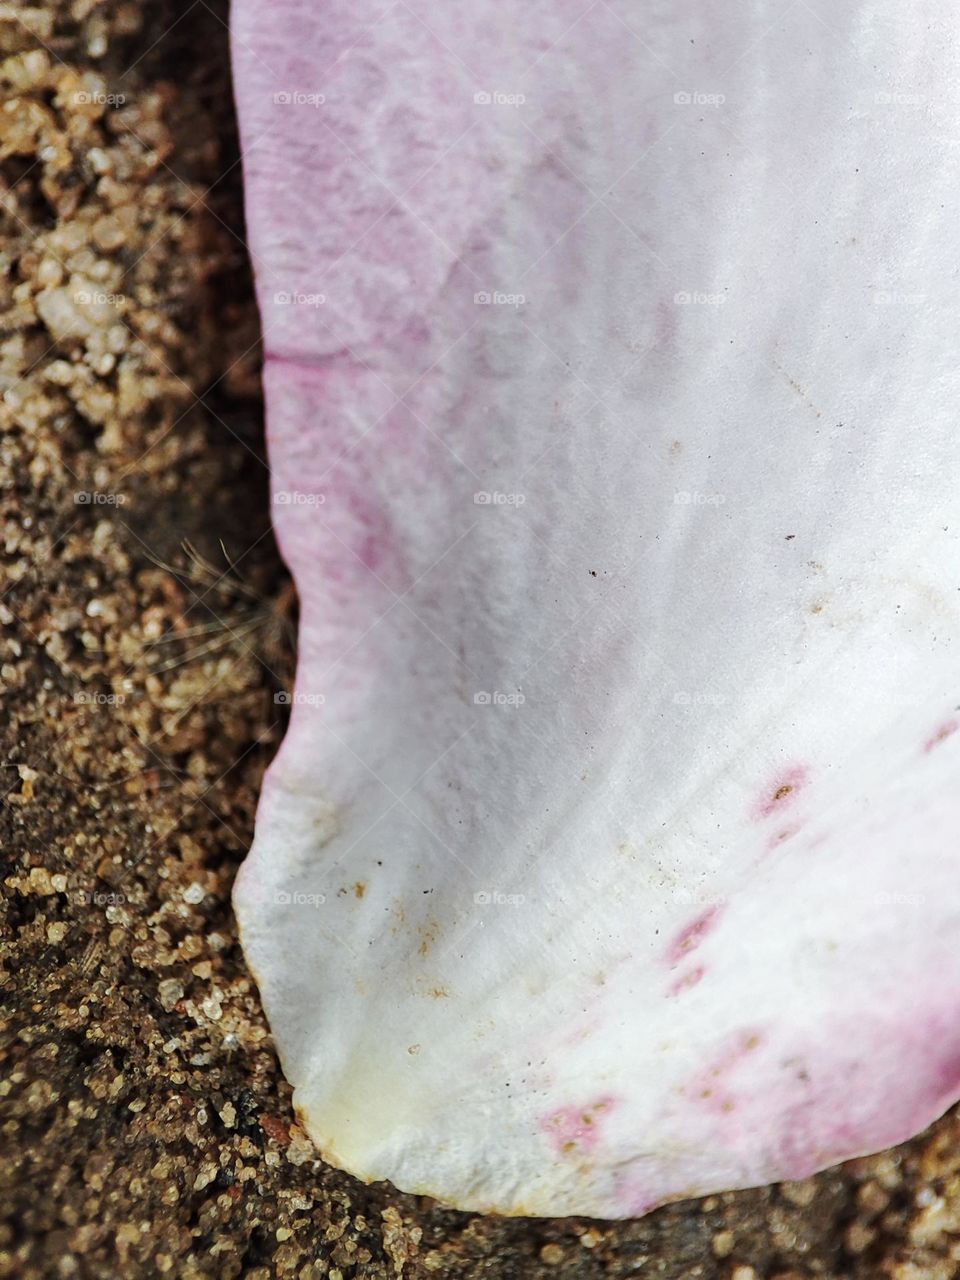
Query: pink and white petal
{"points": [[611, 854]]}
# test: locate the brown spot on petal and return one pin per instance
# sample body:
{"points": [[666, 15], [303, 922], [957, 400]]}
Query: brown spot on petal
{"points": [[782, 792], [429, 933]]}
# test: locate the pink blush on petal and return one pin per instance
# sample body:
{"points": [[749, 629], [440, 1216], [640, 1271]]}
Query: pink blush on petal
{"points": [[692, 935], [576, 1129], [687, 981], [946, 730]]}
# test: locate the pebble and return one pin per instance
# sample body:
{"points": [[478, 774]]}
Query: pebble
{"points": [[206, 1175], [858, 1237], [722, 1244], [170, 991], [212, 1008], [39, 878], [802, 1194]]}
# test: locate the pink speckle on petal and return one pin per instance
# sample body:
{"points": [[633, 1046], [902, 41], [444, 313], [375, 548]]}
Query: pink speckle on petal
{"points": [[782, 836], [712, 1089], [687, 981], [575, 1129], [581, 1032], [781, 793], [946, 730], [691, 936]]}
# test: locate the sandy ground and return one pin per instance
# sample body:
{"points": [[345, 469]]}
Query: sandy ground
{"points": [[147, 627]]}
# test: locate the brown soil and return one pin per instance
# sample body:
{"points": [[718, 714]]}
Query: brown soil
{"points": [[147, 627]]}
